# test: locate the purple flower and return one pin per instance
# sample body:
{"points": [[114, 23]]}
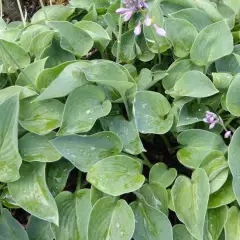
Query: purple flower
{"points": [[147, 21], [160, 31], [138, 29], [227, 134]]}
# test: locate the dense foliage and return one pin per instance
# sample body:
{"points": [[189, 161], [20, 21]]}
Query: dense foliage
{"points": [[119, 121]]}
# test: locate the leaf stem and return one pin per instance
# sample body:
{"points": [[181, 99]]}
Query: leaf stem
{"points": [[1, 8], [167, 143], [21, 13], [146, 161], [119, 38], [79, 181], [229, 121]]}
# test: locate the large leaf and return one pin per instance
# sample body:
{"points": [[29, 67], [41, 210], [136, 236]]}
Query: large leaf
{"points": [[83, 107], [229, 63], [127, 131], [190, 198], [150, 223], [180, 232], [232, 226], [10, 159], [111, 220], [194, 84], [151, 112], [116, 175], [74, 213], [35, 148], [208, 46], [10, 228], [32, 194], [40, 117], [74, 39], [198, 143], [182, 35], [84, 151]]}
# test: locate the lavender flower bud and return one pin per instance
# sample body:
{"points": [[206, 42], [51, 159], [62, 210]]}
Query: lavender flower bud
{"points": [[227, 134], [138, 29], [147, 21], [160, 31]]}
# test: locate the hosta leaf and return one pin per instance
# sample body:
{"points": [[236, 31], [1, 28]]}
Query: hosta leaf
{"points": [[208, 45], [198, 18], [223, 196], [160, 173], [198, 143], [229, 63], [182, 35], [32, 194], [96, 194], [222, 80], [150, 223], [84, 151], [194, 84], [10, 228], [70, 35], [231, 228], [151, 112], [116, 175], [127, 131], [57, 175], [234, 4], [74, 213], [39, 229], [35, 148], [111, 220], [53, 13], [155, 195], [180, 232], [40, 117], [190, 198], [75, 78], [232, 98], [83, 107], [10, 159]]}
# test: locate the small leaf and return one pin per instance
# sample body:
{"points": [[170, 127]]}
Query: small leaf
{"points": [[116, 175], [150, 223], [222, 80], [111, 220], [83, 107], [229, 63], [207, 46], [32, 194], [84, 151], [151, 112], [190, 198], [161, 174]]}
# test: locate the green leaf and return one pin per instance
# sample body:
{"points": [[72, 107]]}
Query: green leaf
{"points": [[182, 35], [29, 75], [53, 13], [160, 173], [10, 159], [230, 63], [32, 194], [216, 167], [96, 194], [195, 84], [198, 18], [231, 228], [234, 4], [150, 223], [151, 112], [74, 213], [86, 4], [39, 229], [70, 35], [127, 132], [190, 198], [180, 232], [84, 106], [84, 151], [75, 78], [57, 175], [35, 148], [116, 175], [227, 13], [13, 56], [10, 228], [222, 80], [232, 98], [208, 45], [110, 220], [198, 143], [177, 70], [40, 117], [223, 196], [155, 195]]}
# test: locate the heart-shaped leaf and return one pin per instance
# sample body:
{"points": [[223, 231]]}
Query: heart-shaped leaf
{"points": [[116, 175]]}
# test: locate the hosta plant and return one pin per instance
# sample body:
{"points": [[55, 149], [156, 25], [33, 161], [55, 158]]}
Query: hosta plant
{"points": [[119, 120]]}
